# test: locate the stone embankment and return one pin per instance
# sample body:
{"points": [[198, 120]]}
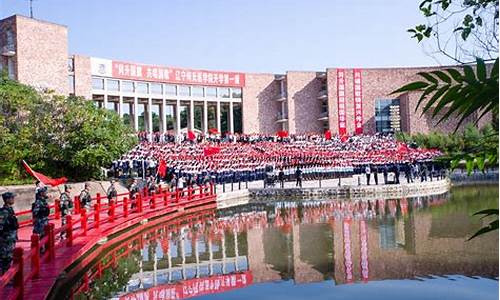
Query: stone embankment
{"points": [[331, 190]]}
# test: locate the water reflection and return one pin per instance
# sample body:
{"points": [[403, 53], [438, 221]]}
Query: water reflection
{"points": [[311, 241]]}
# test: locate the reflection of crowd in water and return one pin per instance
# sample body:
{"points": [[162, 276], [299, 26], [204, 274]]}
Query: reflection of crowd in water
{"points": [[295, 212], [217, 227]]}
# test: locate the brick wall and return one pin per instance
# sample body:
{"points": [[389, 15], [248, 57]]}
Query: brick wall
{"points": [[83, 76], [304, 108], [42, 54], [259, 105], [378, 84]]}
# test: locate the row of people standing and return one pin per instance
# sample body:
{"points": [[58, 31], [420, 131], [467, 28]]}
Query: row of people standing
{"points": [[423, 170]]}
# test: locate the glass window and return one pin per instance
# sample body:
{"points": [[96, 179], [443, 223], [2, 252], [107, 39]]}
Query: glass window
{"points": [[223, 92], [236, 93], [156, 88], [127, 86], [197, 91], [211, 92], [387, 117], [170, 89], [97, 83], [141, 87], [113, 85], [183, 90]]}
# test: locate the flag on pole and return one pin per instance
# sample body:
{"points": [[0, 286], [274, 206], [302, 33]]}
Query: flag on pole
{"points": [[44, 179], [328, 135], [162, 168], [210, 150], [282, 133], [191, 135]]}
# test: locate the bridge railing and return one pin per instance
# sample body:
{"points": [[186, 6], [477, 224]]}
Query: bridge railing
{"points": [[43, 249]]}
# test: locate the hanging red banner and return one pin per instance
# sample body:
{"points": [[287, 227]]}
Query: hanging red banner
{"points": [[358, 102], [341, 102], [363, 235]]}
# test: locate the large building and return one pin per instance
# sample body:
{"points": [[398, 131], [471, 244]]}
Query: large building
{"points": [[159, 98]]}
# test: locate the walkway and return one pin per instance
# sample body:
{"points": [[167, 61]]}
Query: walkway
{"points": [[33, 274]]}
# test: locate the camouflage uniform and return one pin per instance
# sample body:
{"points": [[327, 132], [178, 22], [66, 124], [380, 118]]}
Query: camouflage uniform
{"points": [[111, 194], [41, 213], [134, 191], [8, 236], [66, 205], [85, 200]]}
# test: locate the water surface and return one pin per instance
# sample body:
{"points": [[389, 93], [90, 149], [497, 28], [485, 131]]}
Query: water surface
{"points": [[317, 249]]}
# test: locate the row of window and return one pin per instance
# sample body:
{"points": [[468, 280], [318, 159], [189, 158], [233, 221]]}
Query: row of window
{"points": [[170, 89]]}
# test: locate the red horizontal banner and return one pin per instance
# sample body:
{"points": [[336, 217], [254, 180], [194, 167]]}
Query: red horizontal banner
{"points": [[194, 287], [133, 71]]}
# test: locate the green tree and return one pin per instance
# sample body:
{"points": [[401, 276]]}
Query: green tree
{"points": [[60, 136]]}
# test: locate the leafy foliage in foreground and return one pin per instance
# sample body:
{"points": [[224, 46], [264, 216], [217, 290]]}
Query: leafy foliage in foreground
{"points": [[458, 145], [58, 136], [458, 94]]}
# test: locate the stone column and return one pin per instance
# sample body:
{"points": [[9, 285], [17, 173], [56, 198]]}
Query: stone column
{"points": [[150, 115], [105, 101], [191, 115], [164, 115], [218, 117], [120, 107], [178, 116], [231, 118], [136, 114], [205, 116]]}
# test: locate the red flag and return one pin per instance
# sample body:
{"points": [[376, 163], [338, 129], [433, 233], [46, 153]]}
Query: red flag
{"points": [[328, 135], [44, 179], [213, 131], [282, 133], [402, 148], [191, 135], [162, 168], [207, 151]]}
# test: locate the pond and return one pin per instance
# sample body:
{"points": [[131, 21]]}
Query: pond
{"points": [[413, 248]]}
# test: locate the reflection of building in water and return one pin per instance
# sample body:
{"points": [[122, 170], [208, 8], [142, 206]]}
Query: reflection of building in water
{"points": [[312, 241]]}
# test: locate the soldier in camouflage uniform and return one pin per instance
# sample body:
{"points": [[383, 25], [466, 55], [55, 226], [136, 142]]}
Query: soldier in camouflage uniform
{"points": [[85, 198], [8, 231], [134, 193], [111, 193], [41, 211], [66, 206]]}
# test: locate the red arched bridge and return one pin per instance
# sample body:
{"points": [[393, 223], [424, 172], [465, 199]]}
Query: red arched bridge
{"points": [[38, 262]]}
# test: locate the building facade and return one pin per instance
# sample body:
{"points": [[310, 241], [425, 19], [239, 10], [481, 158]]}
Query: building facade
{"points": [[165, 99]]}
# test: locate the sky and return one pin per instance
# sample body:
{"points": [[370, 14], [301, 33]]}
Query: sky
{"points": [[268, 36]]}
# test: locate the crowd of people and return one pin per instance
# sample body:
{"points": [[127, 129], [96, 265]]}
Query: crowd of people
{"points": [[243, 157], [186, 160]]}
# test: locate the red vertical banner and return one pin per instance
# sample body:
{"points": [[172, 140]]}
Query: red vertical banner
{"points": [[363, 235], [358, 102], [341, 102], [346, 228]]}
